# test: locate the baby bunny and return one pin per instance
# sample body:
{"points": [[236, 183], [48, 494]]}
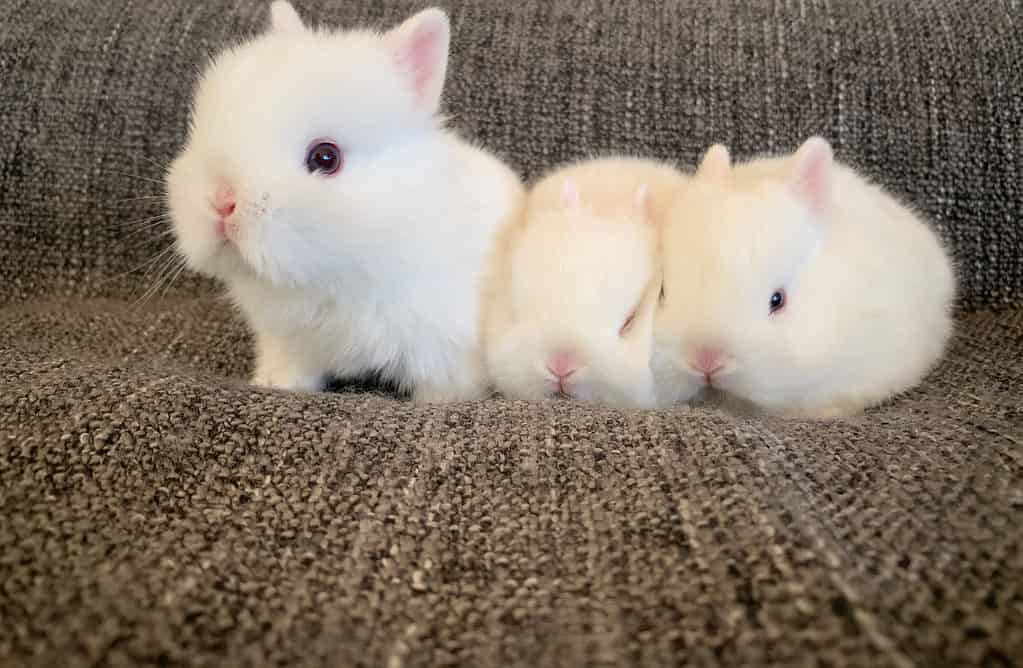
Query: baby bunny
{"points": [[349, 226], [797, 285], [576, 282]]}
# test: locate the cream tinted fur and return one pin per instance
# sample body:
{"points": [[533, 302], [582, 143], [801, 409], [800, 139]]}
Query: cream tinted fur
{"points": [[376, 269], [569, 273], [868, 286]]}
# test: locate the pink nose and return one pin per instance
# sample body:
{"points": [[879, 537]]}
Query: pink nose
{"points": [[563, 364], [708, 360], [224, 201]]}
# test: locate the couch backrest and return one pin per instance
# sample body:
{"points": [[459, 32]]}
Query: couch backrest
{"points": [[926, 96]]}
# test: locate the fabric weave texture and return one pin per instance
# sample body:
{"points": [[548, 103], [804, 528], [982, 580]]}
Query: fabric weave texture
{"points": [[156, 510]]}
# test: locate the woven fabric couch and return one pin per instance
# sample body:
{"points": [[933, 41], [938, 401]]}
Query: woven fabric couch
{"points": [[156, 510]]}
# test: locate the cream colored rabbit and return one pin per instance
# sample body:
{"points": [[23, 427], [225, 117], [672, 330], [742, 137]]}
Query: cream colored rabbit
{"points": [[796, 284], [577, 282]]}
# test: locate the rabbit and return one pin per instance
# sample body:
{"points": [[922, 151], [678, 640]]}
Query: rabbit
{"points": [[351, 228], [570, 310], [797, 285]]}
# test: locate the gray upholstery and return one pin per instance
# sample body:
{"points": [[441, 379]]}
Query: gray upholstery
{"points": [[156, 510]]}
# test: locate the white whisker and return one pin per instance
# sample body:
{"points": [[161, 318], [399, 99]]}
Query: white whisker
{"points": [[142, 221], [154, 226], [159, 268], [181, 268], [164, 166], [165, 270], [156, 258], [150, 239], [134, 176], [140, 198]]}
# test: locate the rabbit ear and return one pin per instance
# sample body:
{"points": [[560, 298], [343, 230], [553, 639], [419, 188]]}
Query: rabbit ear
{"points": [[420, 48], [641, 201], [570, 198], [716, 163], [284, 18], [810, 175]]}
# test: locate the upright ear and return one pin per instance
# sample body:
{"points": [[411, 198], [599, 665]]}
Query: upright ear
{"points": [[570, 198], [716, 163], [420, 48], [810, 174], [284, 18]]}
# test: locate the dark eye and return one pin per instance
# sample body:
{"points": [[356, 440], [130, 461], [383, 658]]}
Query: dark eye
{"points": [[325, 158], [661, 298], [777, 301], [627, 324]]}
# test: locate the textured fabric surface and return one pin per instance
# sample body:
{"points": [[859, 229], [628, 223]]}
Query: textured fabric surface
{"points": [[156, 510]]}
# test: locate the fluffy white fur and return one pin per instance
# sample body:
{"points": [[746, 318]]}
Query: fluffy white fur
{"points": [[868, 286], [376, 269], [583, 257]]}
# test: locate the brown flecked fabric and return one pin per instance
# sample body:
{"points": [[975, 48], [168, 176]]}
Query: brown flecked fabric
{"points": [[155, 510]]}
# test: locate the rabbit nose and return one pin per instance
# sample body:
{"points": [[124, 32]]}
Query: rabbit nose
{"points": [[563, 364], [708, 361], [224, 201]]}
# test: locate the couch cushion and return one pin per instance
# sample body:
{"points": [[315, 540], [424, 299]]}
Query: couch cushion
{"points": [[156, 508]]}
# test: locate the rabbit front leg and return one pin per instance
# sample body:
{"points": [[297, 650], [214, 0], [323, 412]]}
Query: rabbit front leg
{"points": [[467, 382], [284, 367]]}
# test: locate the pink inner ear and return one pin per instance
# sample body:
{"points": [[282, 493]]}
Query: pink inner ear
{"points": [[570, 195], [419, 55], [642, 204], [811, 179], [641, 199]]}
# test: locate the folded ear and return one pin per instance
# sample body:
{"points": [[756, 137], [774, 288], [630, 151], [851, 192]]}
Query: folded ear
{"points": [[716, 163], [570, 198], [810, 174], [284, 18], [641, 202], [420, 48], [644, 325]]}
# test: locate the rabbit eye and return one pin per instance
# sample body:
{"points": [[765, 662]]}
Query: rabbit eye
{"points": [[324, 158], [777, 301], [627, 324]]}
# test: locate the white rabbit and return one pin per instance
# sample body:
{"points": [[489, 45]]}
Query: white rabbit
{"points": [[575, 284], [797, 285], [349, 226]]}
